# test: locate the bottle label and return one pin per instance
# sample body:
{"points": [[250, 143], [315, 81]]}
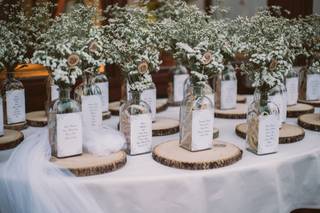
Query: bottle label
{"points": [[91, 111], [292, 85], [16, 108], [313, 87], [268, 137], [281, 102], [54, 92], [178, 83], [202, 129], [104, 87], [69, 134], [150, 97], [228, 94], [140, 134], [1, 118]]}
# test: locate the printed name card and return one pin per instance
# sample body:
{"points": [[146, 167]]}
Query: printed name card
{"points": [[178, 83], [69, 134], [140, 134], [268, 137], [313, 87], [150, 97], [202, 130], [1, 118], [292, 85], [228, 94], [104, 88], [92, 111], [16, 108], [54, 92]]}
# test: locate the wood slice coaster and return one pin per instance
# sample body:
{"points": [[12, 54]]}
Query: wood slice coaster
{"points": [[17, 126], [240, 112], [288, 133], [162, 105], [241, 99], [172, 155], [106, 115], [215, 133], [88, 164], [11, 139], [165, 126], [313, 103], [299, 109], [310, 121], [37, 119]]}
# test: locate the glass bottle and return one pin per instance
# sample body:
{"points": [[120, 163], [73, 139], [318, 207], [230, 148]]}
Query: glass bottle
{"points": [[225, 86], [263, 126], [102, 82], [52, 91], [208, 91], [176, 85], [309, 84], [13, 100], [196, 120], [292, 86], [65, 126], [136, 124], [278, 95]]}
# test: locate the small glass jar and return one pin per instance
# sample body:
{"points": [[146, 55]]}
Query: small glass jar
{"points": [[292, 86], [65, 126], [278, 95], [52, 91], [102, 82], [225, 86], [176, 85], [13, 100], [309, 85], [136, 124], [263, 126], [196, 120]]}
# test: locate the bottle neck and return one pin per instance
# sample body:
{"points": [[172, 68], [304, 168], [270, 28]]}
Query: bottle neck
{"points": [[10, 74], [88, 78], [135, 97], [64, 93], [198, 90]]}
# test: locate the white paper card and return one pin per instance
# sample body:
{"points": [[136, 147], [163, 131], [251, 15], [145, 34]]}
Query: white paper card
{"points": [[54, 92], [268, 134], [92, 111], [140, 134], [228, 94], [104, 88], [313, 87], [1, 118], [128, 92], [150, 97], [211, 97], [202, 129], [69, 134], [178, 83], [281, 102], [16, 108], [292, 85]]}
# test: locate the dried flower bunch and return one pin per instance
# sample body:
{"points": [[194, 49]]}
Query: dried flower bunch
{"points": [[72, 44]]}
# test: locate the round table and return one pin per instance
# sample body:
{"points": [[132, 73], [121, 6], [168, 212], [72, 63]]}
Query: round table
{"points": [[281, 182]]}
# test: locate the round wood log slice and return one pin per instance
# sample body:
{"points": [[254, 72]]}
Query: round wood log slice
{"points": [[165, 126], [106, 115], [241, 99], [88, 164], [172, 155], [10, 139], [37, 119], [162, 105], [17, 126], [215, 133], [313, 103], [310, 121], [288, 133], [174, 104], [299, 109], [240, 112]]}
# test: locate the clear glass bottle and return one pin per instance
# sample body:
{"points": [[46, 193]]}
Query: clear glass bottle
{"points": [[196, 120], [208, 91], [278, 95], [309, 84], [292, 86], [65, 126], [225, 86], [13, 100], [263, 126], [102, 82], [87, 87], [136, 124], [176, 85], [52, 91]]}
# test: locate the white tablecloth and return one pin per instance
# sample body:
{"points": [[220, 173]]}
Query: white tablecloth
{"points": [[276, 183]]}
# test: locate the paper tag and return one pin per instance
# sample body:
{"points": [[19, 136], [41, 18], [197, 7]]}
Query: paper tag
{"points": [[281, 102], [313, 87], [91, 111], [211, 97], [54, 92], [104, 88], [150, 97], [268, 134], [202, 129], [292, 85], [1, 118], [140, 134], [16, 108], [128, 92], [228, 94], [69, 134], [178, 83]]}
